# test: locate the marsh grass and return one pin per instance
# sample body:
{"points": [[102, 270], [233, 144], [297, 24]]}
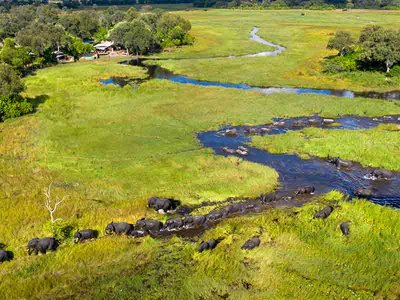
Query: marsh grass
{"points": [[108, 149], [226, 32], [378, 147]]}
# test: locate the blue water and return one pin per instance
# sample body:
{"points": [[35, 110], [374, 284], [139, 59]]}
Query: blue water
{"points": [[295, 172]]}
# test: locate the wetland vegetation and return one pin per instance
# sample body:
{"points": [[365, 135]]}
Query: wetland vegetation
{"points": [[107, 149]]}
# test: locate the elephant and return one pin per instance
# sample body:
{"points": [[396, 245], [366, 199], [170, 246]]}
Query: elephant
{"points": [[173, 224], [340, 163], [149, 225], [367, 192], [380, 175], [5, 256], [251, 131], [345, 228], [194, 221], [215, 215], [231, 132], [267, 198], [138, 233], [314, 122], [323, 213], [119, 228], [163, 205], [251, 243], [37, 245], [306, 190], [184, 210], [86, 234], [299, 124], [232, 209], [209, 245]]}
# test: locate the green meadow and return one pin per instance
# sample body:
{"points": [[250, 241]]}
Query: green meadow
{"points": [[227, 32], [107, 149]]}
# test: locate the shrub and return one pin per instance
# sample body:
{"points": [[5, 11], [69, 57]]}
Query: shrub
{"points": [[339, 64], [60, 230], [14, 106], [395, 71]]}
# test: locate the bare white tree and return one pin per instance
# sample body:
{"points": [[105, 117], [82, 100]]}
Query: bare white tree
{"points": [[51, 204]]}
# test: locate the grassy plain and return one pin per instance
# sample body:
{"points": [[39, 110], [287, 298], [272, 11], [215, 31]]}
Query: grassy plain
{"points": [[378, 147], [107, 149], [226, 32]]}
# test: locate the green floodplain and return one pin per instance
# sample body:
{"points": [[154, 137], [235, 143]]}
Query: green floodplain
{"points": [[109, 149]]}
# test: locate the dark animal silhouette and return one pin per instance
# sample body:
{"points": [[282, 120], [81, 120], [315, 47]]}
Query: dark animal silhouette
{"points": [[138, 233], [86, 234], [380, 175], [149, 225], [209, 245], [37, 245], [194, 221], [119, 228], [364, 192], [163, 204], [5, 256], [251, 243], [173, 224], [306, 190], [340, 163], [345, 228], [323, 213]]}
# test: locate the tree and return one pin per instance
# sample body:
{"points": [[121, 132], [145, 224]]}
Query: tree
{"points": [[17, 57], [76, 47], [12, 104], [381, 46], [10, 82], [135, 36], [342, 42], [83, 24], [41, 37]]}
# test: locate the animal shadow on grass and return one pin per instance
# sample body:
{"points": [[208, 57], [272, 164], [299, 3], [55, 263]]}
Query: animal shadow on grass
{"points": [[37, 100]]}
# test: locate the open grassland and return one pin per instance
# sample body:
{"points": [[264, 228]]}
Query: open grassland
{"points": [[108, 149], [226, 32], [378, 147], [299, 258]]}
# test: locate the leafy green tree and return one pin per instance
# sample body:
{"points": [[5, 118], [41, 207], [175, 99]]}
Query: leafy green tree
{"points": [[18, 57], [10, 82], [101, 35], [83, 24], [12, 104], [381, 46], [172, 30], [42, 37], [111, 16], [135, 36], [76, 47], [131, 14], [342, 42]]}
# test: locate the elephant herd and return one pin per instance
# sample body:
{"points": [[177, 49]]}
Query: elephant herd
{"points": [[144, 227]]}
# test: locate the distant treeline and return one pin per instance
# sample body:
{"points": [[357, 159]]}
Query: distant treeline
{"points": [[255, 4]]}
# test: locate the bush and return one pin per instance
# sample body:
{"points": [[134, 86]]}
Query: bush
{"points": [[395, 71], [60, 230], [14, 106], [337, 64]]}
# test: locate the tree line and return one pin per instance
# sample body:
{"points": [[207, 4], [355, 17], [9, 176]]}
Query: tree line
{"points": [[377, 48], [30, 35]]}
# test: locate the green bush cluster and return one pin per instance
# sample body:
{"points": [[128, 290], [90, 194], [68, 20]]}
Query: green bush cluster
{"points": [[60, 230], [395, 71], [339, 64], [13, 106]]}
